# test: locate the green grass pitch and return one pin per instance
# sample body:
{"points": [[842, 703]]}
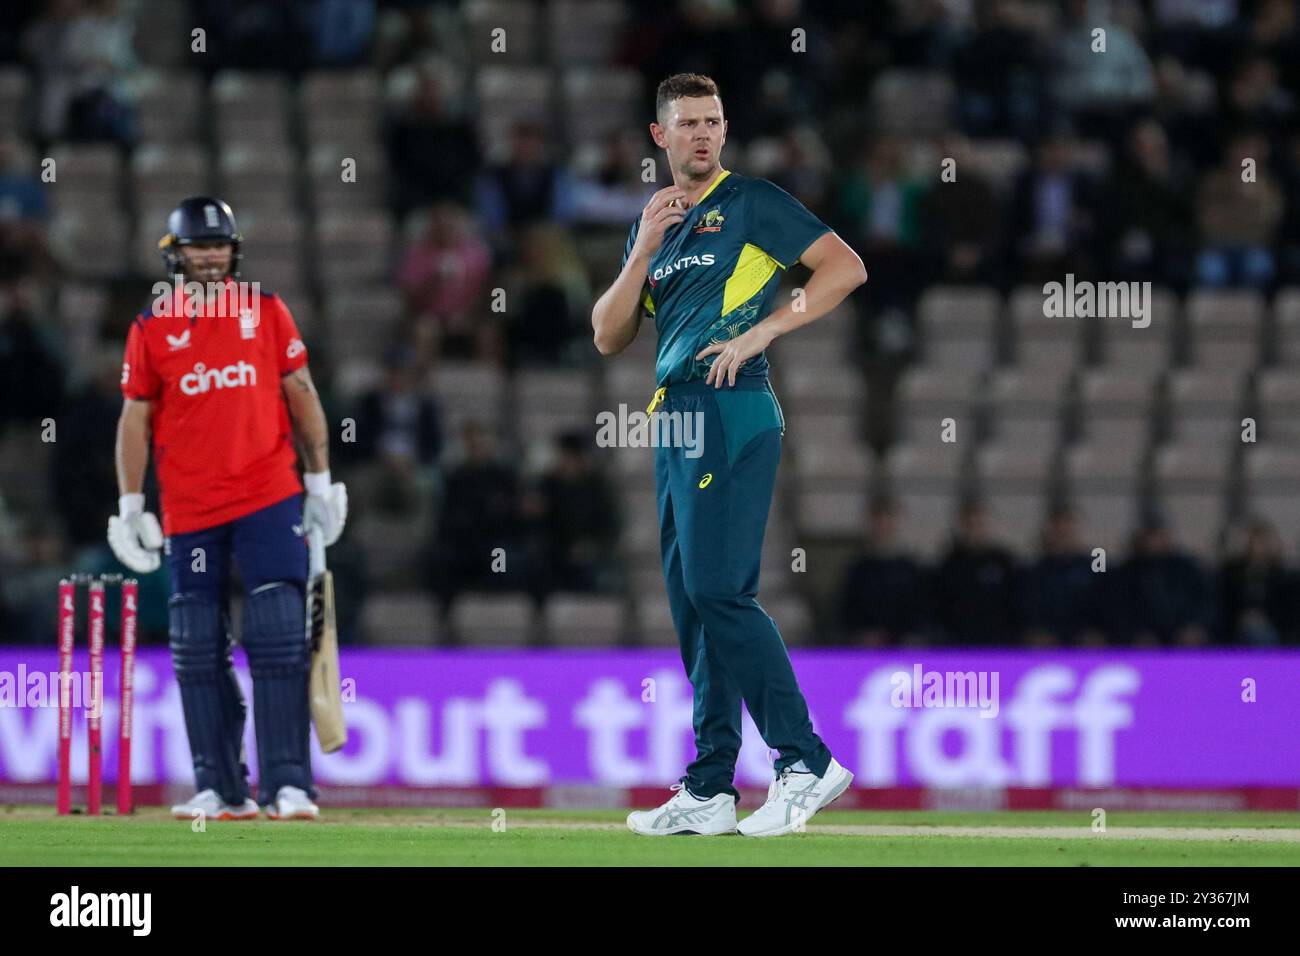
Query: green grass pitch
{"points": [[34, 836]]}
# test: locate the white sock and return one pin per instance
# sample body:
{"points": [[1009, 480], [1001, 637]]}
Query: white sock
{"points": [[799, 767]]}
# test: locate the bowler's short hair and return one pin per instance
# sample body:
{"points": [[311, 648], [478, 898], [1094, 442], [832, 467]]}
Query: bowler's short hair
{"points": [[683, 84]]}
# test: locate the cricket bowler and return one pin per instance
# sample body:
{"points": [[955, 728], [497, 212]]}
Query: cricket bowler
{"points": [[216, 376], [705, 260]]}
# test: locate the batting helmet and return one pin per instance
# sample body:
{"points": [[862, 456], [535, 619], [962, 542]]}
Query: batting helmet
{"points": [[200, 219]]}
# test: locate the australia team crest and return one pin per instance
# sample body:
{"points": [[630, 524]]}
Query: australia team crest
{"points": [[711, 221]]}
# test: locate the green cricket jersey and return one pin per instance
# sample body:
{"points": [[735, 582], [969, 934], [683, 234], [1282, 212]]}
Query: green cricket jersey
{"points": [[717, 271]]}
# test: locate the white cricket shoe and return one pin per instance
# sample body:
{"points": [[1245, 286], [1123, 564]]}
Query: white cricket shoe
{"points": [[292, 803], [793, 798], [212, 807], [686, 814]]}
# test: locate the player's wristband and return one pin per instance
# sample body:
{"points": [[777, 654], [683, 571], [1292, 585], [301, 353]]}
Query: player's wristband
{"points": [[317, 482], [129, 505]]}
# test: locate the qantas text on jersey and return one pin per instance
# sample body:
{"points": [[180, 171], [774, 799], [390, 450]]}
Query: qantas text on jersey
{"points": [[683, 263]]}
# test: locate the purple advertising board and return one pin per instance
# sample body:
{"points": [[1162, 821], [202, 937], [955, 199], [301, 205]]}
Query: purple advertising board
{"points": [[623, 718]]}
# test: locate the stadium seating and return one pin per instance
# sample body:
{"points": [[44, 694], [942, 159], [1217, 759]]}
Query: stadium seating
{"points": [[1115, 418]]}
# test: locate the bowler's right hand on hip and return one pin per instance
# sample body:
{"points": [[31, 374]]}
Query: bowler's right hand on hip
{"points": [[134, 535]]}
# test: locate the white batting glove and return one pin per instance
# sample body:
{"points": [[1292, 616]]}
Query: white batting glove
{"points": [[135, 536], [326, 508]]}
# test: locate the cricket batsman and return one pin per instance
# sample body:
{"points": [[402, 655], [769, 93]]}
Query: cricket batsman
{"points": [[705, 260], [218, 380]]}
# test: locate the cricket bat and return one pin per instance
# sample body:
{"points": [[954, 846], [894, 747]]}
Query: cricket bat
{"points": [[323, 683]]}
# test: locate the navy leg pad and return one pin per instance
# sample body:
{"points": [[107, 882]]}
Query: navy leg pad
{"points": [[275, 640], [236, 709], [210, 697]]}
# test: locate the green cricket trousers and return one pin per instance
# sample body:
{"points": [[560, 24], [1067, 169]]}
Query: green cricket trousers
{"points": [[713, 505]]}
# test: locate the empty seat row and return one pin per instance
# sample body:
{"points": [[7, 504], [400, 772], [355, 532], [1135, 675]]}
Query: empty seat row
{"points": [[972, 328], [1125, 406]]}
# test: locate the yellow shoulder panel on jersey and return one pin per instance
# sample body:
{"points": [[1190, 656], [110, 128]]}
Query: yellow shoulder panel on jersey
{"points": [[753, 268], [648, 303]]}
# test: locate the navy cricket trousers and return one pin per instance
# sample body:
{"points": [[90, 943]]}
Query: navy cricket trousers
{"points": [[713, 510], [267, 545]]}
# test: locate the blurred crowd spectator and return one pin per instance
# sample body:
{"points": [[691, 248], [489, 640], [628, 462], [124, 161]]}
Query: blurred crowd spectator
{"points": [[31, 375], [556, 533], [24, 215], [80, 51], [398, 438], [290, 34], [432, 147], [443, 275], [482, 511], [577, 521], [980, 592]]}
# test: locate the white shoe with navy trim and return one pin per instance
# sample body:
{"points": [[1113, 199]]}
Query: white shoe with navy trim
{"points": [[793, 798], [685, 813]]}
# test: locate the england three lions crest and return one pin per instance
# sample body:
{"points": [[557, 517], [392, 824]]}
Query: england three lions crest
{"points": [[248, 320]]}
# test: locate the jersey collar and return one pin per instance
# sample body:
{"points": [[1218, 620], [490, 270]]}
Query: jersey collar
{"points": [[714, 185]]}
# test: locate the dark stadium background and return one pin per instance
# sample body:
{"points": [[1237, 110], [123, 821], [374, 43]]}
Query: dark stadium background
{"points": [[520, 171]]}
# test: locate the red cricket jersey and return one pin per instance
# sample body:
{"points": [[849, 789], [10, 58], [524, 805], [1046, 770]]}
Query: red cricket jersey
{"points": [[222, 441]]}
